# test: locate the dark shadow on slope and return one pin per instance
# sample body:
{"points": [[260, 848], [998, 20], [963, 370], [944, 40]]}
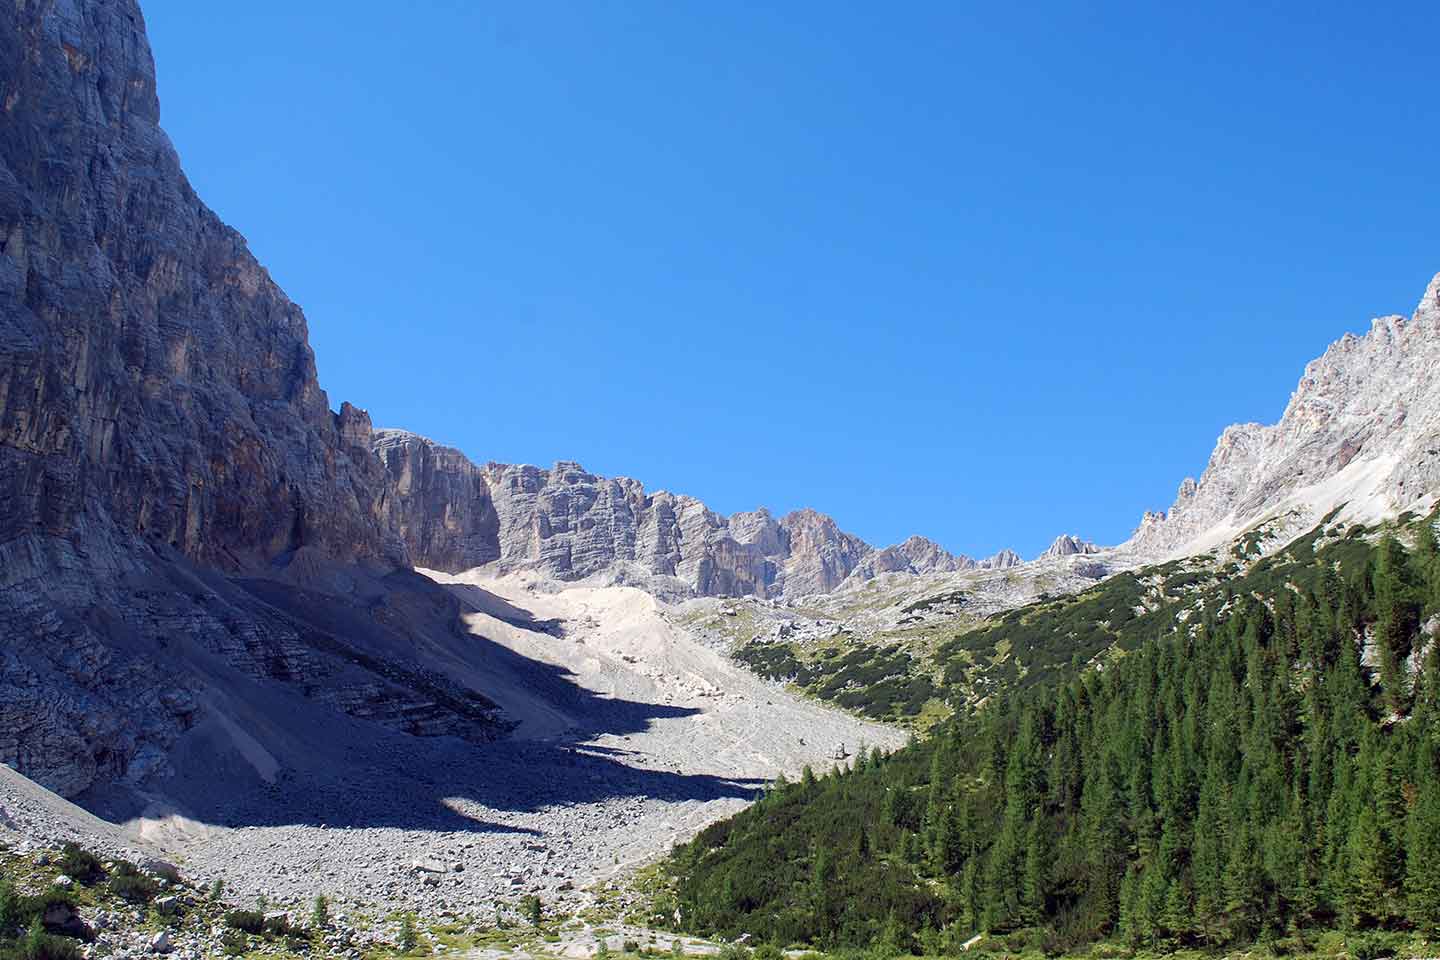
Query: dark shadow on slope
{"points": [[332, 764], [504, 610], [413, 632], [469, 785]]}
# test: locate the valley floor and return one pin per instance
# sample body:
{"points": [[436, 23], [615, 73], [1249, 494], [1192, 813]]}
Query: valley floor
{"points": [[632, 737]]}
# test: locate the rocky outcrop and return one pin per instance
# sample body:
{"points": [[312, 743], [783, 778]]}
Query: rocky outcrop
{"points": [[1361, 435], [1003, 560], [820, 555], [181, 513], [916, 556], [440, 502], [572, 524], [1067, 546]]}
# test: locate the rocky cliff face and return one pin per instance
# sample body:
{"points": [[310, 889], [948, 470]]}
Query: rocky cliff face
{"points": [[1360, 435], [440, 502], [154, 382], [171, 474], [571, 524]]}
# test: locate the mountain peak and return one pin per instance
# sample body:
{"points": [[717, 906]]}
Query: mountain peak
{"points": [[1003, 560], [1065, 546], [1428, 309], [1359, 433]]}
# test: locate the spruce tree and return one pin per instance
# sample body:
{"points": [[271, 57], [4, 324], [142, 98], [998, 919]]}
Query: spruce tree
{"points": [[1427, 561], [1035, 877], [1391, 631], [1422, 858], [1365, 869]]}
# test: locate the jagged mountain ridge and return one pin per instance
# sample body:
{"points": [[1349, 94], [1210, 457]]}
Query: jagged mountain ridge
{"points": [[1361, 435], [571, 524]]}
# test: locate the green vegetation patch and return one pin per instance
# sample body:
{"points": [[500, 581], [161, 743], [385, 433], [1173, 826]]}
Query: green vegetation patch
{"points": [[1236, 774]]}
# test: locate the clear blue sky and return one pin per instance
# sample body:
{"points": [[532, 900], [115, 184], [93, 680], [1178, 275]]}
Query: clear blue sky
{"points": [[984, 274]]}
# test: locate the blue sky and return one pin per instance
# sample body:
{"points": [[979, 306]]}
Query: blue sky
{"points": [[984, 274]]}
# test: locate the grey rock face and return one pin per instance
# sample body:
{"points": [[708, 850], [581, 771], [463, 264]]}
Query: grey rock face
{"points": [[1003, 560], [154, 382], [176, 496], [916, 556], [1361, 434], [440, 501], [571, 524], [1067, 546]]}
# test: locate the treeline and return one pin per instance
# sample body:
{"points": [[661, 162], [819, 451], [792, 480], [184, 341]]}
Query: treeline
{"points": [[1271, 768]]}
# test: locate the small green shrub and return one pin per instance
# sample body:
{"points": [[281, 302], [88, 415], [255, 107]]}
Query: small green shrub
{"points": [[1369, 946], [9, 906], [320, 912], [409, 938], [631, 946], [1287, 946], [172, 921], [217, 890], [39, 945], [81, 865], [133, 887], [28, 908], [248, 921], [234, 943]]}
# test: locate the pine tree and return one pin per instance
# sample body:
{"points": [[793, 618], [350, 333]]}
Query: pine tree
{"points": [[950, 851], [1422, 858], [1035, 878], [9, 907], [1245, 884], [1369, 867], [1131, 918], [1392, 638], [1427, 687], [1106, 846], [1427, 561], [1150, 906]]}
